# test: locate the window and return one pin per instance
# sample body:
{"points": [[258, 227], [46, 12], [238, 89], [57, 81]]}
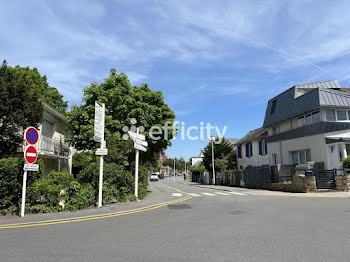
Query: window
{"points": [[301, 121], [249, 150], [273, 106], [47, 128], [239, 153], [347, 146], [301, 157], [274, 130], [262, 147], [341, 115], [274, 159], [308, 119], [330, 115], [316, 117]]}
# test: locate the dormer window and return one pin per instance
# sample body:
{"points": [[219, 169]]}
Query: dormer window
{"points": [[273, 106]]}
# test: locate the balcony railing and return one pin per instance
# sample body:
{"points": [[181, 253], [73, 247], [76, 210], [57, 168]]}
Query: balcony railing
{"points": [[53, 146]]}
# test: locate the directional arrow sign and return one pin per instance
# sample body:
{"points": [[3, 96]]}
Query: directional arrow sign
{"points": [[139, 147], [133, 135], [140, 142]]}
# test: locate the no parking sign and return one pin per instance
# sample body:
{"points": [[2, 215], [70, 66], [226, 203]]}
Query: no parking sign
{"points": [[31, 135]]}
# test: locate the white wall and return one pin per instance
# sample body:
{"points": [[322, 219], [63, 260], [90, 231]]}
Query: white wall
{"points": [[316, 144], [196, 160], [255, 159]]}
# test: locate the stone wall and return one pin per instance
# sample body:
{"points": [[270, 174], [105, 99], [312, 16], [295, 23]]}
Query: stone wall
{"points": [[342, 183], [300, 184]]}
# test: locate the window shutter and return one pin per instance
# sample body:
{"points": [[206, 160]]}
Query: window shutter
{"points": [[251, 149], [240, 151], [265, 146], [246, 150], [260, 148]]}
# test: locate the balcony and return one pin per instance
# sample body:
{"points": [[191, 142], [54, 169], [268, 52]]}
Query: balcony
{"points": [[53, 147]]}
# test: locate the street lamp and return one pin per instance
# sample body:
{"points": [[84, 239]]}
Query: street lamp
{"points": [[212, 139], [174, 168]]}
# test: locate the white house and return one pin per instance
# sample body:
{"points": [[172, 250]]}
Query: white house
{"points": [[197, 160], [309, 123], [52, 148], [252, 149]]}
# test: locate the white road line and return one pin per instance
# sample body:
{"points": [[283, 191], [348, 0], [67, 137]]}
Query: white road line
{"points": [[221, 193], [177, 194], [195, 195], [208, 194], [236, 193]]}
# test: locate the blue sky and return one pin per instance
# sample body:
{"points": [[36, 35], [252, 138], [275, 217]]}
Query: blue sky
{"points": [[214, 61]]}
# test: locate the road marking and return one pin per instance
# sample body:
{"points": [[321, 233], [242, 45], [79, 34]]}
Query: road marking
{"points": [[71, 220], [236, 193], [195, 195], [177, 194], [221, 193], [208, 194]]}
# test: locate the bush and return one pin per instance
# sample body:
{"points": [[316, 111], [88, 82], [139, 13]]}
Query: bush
{"points": [[198, 168], [11, 180], [79, 196], [81, 160], [346, 162], [45, 194]]}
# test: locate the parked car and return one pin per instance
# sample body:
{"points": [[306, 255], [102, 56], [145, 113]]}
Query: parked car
{"points": [[154, 177], [161, 176]]}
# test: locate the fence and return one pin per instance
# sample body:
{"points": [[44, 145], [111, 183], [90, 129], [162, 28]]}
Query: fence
{"points": [[257, 175]]}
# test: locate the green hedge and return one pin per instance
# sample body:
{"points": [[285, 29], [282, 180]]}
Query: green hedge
{"points": [[11, 180]]}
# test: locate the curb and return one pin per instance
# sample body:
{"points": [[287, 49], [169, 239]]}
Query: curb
{"points": [[282, 195], [95, 217]]}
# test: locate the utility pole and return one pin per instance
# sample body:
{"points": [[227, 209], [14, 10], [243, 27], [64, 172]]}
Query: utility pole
{"points": [[185, 173], [174, 168], [212, 157]]}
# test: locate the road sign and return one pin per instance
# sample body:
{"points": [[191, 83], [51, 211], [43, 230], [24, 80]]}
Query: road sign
{"points": [[101, 151], [139, 147], [31, 167], [31, 135], [140, 142], [99, 121], [133, 135], [30, 154]]}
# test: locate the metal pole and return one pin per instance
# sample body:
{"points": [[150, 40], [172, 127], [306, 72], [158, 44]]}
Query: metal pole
{"points": [[185, 173], [137, 170], [24, 187], [174, 168], [212, 157], [101, 161]]}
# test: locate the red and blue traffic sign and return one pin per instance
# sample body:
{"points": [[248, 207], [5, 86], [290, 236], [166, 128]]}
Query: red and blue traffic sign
{"points": [[32, 135], [30, 154]]}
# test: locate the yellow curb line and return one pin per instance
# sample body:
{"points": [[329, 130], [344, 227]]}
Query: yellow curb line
{"points": [[96, 217]]}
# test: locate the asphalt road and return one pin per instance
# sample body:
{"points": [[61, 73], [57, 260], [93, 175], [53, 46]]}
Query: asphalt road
{"points": [[211, 226]]}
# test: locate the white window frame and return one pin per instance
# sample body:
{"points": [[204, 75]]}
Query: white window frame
{"points": [[304, 118], [304, 151], [347, 112]]}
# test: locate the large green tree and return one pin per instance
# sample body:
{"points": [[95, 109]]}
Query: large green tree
{"points": [[123, 103], [222, 155], [21, 90]]}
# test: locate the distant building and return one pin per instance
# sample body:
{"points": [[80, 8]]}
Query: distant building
{"points": [[52, 148], [197, 160]]}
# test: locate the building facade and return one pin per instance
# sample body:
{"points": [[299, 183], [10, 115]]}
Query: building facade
{"points": [[306, 123], [52, 147]]}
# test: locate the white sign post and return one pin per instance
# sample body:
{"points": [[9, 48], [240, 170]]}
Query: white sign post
{"points": [[99, 134], [31, 136], [139, 144]]}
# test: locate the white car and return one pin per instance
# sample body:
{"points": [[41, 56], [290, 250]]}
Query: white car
{"points": [[154, 177]]}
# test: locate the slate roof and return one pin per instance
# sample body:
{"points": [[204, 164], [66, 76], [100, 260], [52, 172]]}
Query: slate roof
{"points": [[321, 94], [254, 134]]}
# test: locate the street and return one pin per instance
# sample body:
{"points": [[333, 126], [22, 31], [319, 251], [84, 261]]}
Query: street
{"points": [[213, 225]]}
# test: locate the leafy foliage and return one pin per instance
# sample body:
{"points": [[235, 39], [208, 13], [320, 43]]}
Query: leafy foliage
{"points": [[346, 162], [123, 102], [20, 91], [179, 163], [11, 177], [198, 168], [222, 153]]}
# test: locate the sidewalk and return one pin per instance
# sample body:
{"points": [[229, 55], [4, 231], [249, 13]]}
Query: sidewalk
{"points": [[153, 199], [262, 192]]}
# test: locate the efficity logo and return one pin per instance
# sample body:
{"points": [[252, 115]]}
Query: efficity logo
{"points": [[175, 129], [132, 128]]}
